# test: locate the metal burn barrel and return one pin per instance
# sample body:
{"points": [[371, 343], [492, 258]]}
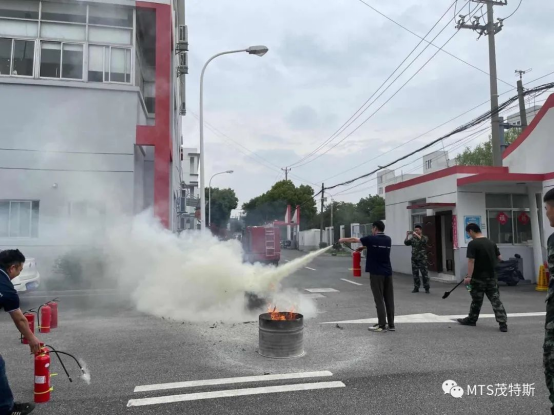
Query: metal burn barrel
{"points": [[281, 339]]}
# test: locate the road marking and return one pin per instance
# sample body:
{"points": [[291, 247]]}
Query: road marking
{"points": [[311, 269], [314, 296], [321, 290], [351, 282], [229, 381], [286, 260], [234, 392], [430, 318]]}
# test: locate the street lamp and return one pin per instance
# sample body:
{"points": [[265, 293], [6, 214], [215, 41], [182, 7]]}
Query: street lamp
{"points": [[210, 195], [252, 50]]}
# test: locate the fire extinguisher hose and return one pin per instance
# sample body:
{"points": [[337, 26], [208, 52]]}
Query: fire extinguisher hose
{"points": [[57, 353]]}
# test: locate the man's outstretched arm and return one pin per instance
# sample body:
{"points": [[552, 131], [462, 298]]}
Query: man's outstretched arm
{"points": [[349, 240]]}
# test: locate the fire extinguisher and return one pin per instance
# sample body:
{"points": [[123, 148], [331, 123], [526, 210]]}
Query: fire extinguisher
{"points": [[42, 376], [54, 313], [45, 318], [31, 320], [357, 264]]}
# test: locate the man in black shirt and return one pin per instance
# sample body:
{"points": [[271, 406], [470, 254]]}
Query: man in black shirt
{"points": [[483, 255], [11, 264], [379, 267]]}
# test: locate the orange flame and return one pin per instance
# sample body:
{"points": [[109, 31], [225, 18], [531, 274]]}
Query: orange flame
{"points": [[277, 315]]}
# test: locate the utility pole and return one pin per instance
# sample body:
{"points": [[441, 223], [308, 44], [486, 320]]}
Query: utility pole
{"points": [[286, 170], [332, 227], [321, 226], [490, 30], [522, 111]]}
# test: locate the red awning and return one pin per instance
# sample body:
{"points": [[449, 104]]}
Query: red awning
{"points": [[431, 206]]}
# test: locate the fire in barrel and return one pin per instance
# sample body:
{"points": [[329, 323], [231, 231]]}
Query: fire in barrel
{"points": [[281, 334]]}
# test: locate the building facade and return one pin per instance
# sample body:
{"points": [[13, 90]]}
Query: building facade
{"points": [[92, 97], [505, 201]]}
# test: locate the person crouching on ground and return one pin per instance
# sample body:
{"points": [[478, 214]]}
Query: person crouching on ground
{"points": [[378, 265]]}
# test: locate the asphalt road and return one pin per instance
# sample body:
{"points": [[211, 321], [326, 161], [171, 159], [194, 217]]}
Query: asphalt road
{"points": [[346, 369]]}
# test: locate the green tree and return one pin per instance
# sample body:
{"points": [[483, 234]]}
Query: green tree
{"points": [[371, 208], [272, 205], [482, 154], [223, 202]]}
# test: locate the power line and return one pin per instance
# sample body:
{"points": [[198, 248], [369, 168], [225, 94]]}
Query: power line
{"points": [[465, 127], [385, 103], [430, 131], [515, 11], [274, 167], [415, 34], [344, 126]]}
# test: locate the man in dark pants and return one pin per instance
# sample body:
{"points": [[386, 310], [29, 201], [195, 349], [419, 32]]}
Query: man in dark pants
{"points": [[379, 267], [548, 347], [483, 255], [418, 242], [11, 264]]}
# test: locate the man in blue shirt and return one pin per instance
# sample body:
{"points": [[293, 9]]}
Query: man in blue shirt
{"points": [[379, 267], [11, 264]]}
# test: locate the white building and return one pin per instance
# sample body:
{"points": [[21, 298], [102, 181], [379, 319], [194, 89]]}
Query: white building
{"points": [[190, 200], [515, 119], [505, 201], [92, 94]]}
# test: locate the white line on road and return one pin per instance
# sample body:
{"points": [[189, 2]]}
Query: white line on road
{"points": [[351, 282], [430, 318], [234, 392], [321, 290], [311, 269], [228, 381]]}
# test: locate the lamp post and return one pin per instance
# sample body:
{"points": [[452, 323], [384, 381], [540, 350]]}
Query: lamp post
{"points": [[252, 50], [210, 195]]}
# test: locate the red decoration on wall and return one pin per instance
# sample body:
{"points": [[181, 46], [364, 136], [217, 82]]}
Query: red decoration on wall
{"points": [[502, 218], [455, 231], [523, 218]]}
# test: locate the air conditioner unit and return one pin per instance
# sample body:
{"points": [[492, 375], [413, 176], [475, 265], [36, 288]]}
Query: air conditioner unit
{"points": [[183, 41], [183, 67]]}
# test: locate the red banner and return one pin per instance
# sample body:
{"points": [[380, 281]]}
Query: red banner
{"points": [[502, 218], [455, 231]]}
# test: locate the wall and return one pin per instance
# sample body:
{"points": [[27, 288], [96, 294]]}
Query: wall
{"points": [[532, 152], [64, 145], [309, 240]]}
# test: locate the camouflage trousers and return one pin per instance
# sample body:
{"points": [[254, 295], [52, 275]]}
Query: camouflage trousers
{"points": [[490, 289], [548, 362], [420, 267]]}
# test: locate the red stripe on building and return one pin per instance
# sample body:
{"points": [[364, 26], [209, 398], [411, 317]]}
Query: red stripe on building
{"points": [[159, 134]]}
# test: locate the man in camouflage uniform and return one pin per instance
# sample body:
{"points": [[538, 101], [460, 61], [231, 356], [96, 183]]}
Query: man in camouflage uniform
{"points": [[483, 256], [548, 356], [418, 242]]}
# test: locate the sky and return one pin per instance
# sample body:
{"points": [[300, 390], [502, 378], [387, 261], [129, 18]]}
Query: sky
{"points": [[325, 59]]}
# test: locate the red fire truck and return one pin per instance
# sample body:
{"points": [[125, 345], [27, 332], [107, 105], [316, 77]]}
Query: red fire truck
{"points": [[262, 244]]}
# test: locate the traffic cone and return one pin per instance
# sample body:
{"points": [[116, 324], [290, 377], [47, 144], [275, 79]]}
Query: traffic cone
{"points": [[542, 283]]}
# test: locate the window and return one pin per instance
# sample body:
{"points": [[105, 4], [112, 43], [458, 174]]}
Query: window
{"points": [[19, 9], [19, 219], [58, 12], [508, 218], [109, 64], [192, 165], [16, 57], [380, 190], [63, 31], [61, 60], [429, 164], [109, 35], [110, 16], [380, 179]]}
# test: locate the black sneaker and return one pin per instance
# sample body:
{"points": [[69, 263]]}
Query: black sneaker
{"points": [[427, 291], [391, 328], [22, 408], [466, 322], [373, 328], [379, 329], [503, 328], [416, 290]]}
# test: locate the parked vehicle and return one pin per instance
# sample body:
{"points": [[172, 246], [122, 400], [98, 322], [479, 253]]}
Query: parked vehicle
{"points": [[508, 271], [262, 244], [29, 279]]}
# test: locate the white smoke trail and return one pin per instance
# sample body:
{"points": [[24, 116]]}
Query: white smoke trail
{"points": [[192, 277]]}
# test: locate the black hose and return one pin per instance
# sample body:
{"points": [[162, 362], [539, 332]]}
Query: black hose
{"points": [[61, 361]]}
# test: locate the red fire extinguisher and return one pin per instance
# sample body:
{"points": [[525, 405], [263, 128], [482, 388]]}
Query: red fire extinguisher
{"points": [[45, 318], [357, 263], [42, 376], [31, 320], [54, 311]]}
